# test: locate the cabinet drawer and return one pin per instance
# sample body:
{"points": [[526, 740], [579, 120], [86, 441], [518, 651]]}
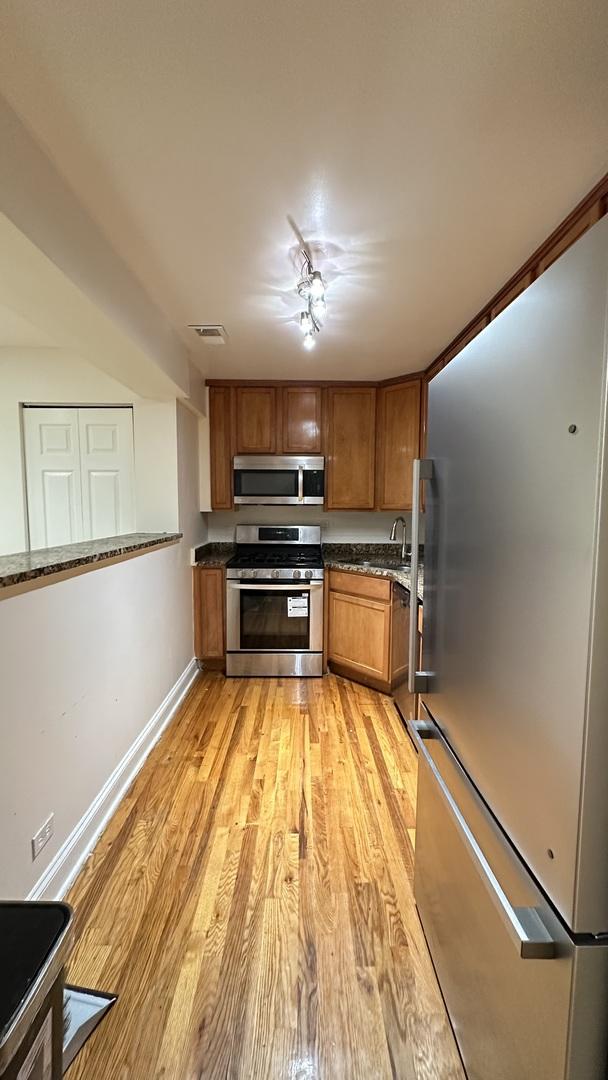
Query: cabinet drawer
{"points": [[375, 588]]}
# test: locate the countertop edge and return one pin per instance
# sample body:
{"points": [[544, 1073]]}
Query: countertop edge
{"points": [[57, 567], [400, 577]]}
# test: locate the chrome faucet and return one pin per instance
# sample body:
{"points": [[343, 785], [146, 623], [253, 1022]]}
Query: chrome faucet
{"points": [[393, 537]]}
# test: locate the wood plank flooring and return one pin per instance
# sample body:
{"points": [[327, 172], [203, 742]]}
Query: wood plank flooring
{"points": [[251, 900]]}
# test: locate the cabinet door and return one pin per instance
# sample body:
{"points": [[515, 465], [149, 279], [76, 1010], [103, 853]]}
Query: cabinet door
{"points": [[220, 446], [209, 602], [398, 443], [256, 420], [359, 634], [302, 419], [350, 422]]}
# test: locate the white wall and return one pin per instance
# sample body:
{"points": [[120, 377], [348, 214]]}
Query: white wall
{"points": [[191, 522], [336, 527], [84, 665], [55, 376], [92, 288]]}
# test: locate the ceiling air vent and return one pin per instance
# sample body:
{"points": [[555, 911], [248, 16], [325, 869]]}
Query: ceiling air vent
{"points": [[211, 334]]}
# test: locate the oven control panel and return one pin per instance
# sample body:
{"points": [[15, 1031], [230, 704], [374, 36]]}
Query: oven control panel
{"points": [[275, 574]]}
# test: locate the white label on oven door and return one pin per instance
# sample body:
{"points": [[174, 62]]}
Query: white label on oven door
{"points": [[297, 606]]}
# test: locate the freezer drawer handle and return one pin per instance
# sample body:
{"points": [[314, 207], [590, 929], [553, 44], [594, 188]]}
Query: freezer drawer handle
{"points": [[418, 682], [524, 924]]}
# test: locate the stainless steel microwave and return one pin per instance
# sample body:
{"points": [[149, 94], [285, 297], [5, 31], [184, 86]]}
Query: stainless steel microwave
{"points": [[274, 480]]}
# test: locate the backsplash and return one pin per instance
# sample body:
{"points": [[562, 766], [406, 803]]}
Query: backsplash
{"points": [[349, 527]]}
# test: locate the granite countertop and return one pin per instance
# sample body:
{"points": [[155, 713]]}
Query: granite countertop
{"points": [[213, 555], [27, 565], [378, 560]]}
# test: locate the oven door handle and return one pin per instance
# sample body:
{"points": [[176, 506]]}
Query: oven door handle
{"points": [[306, 586]]}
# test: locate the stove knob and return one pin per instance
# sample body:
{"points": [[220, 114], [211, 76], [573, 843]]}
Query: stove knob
{"points": [[253, 573], [276, 573], [308, 573], [296, 574]]}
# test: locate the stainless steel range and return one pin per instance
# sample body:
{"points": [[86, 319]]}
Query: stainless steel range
{"points": [[274, 602]]}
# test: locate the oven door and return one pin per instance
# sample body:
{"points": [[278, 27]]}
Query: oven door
{"points": [[264, 617]]}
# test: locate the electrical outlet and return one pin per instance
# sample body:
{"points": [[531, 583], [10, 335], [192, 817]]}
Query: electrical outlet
{"points": [[43, 836]]}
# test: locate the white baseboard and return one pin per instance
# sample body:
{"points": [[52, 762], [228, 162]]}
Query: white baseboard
{"points": [[60, 873]]}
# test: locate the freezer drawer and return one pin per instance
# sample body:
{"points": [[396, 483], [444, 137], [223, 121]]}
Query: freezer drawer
{"points": [[525, 1001]]}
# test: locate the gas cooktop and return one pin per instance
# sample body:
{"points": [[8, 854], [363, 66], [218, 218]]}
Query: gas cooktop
{"points": [[281, 552], [261, 555]]}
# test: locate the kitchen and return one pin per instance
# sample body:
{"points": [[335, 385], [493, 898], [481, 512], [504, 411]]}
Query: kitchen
{"points": [[303, 590]]}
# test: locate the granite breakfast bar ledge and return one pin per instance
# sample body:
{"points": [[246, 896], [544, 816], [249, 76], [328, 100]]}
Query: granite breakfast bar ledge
{"points": [[28, 566]]}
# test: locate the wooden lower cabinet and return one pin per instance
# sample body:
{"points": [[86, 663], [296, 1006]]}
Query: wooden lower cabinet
{"points": [[368, 629], [359, 635], [209, 586]]}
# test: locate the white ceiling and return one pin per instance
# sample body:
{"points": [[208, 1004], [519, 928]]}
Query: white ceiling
{"points": [[423, 148]]}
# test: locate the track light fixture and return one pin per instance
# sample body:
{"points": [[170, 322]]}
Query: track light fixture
{"points": [[311, 288]]}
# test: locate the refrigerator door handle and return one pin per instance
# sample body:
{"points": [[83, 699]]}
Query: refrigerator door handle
{"points": [[524, 924], [419, 682]]}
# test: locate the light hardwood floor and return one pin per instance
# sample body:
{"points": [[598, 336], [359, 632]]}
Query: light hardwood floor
{"points": [[251, 900]]}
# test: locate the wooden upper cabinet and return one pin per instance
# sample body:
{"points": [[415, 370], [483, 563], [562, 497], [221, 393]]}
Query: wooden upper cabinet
{"points": [[350, 437], [256, 420], [221, 399], [301, 410], [397, 444]]}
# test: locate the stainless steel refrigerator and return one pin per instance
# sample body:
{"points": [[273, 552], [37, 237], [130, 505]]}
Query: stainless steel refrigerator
{"points": [[511, 878]]}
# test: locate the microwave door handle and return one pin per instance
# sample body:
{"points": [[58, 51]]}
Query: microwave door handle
{"points": [[418, 681], [300, 483]]}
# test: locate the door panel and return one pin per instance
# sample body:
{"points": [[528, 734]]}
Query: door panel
{"points": [[103, 498], [515, 434], [79, 469], [302, 419], [209, 618], [398, 442], [108, 498], [52, 460], [359, 634], [350, 434], [256, 420], [221, 440]]}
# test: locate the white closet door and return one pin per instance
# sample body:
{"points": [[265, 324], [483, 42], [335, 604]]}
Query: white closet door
{"points": [[106, 455], [52, 455]]}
